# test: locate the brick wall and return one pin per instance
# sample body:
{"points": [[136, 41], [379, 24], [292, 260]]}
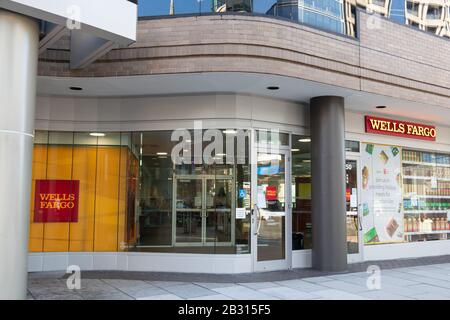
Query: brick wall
{"points": [[387, 58]]}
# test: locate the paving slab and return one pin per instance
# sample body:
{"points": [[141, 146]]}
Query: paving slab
{"points": [[242, 293], [189, 290]]}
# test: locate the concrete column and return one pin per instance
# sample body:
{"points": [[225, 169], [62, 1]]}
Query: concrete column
{"points": [[19, 40], [327, 118]]}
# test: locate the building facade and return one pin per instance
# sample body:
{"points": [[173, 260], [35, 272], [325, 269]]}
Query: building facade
{"points": [[199, 79], [239, 141]]}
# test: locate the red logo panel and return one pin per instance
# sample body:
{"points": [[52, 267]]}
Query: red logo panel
{"points": [[56, 200]]}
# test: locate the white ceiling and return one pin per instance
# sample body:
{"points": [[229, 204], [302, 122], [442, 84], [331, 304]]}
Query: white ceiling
{"points": [[248, 83]]}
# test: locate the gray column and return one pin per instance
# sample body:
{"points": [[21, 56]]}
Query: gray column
{"points": [[19, 37], [329, 252]]}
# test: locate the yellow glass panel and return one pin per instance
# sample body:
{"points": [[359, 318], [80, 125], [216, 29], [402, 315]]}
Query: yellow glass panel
{"points": [[107, 199], [39, 172], [59, 167], [84, 170], [122, 198]]}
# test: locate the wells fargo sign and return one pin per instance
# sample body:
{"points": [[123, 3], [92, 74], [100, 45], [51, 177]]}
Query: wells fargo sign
{"points": [[400, 128], [56, 200], [271, 193]]}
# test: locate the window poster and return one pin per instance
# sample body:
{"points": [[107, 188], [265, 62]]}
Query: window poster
{"points": [[381, 194]]}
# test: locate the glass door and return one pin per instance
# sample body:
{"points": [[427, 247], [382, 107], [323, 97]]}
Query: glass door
{"points": [[271, 211], [354, 226], [188, 229], [203, 210], [219, 208]]}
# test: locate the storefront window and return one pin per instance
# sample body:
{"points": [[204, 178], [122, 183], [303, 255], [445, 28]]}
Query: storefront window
{"points": [[81, 182], [351, 146], [404, 198], [271, 138], [301, 192], [426, 199], [194, 191]]}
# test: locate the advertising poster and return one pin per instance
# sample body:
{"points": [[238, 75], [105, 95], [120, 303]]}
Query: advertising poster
{"points": [[381, 194]]}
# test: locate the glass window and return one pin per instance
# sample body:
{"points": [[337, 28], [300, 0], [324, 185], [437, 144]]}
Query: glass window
{"points": [[351, 146], [351, 194], [412, 7], [41, 137], [85, 138], [426, 200], [301, 193], [60, 138], [109, 139], [194, 191], [434, 12], [106, 178], [272, 137], [327, 14]]}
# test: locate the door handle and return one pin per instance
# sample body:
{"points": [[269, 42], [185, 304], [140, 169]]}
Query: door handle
{"points": [[258, 219]]}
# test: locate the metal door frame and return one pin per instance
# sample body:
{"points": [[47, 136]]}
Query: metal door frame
{"points": [[286, 263], [204, 178], [357, 257]]}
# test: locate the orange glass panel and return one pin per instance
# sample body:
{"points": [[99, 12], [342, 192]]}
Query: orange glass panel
{"points": [[122, 198], [39, 172], [107, 199], [59, 166], [84, 169]]}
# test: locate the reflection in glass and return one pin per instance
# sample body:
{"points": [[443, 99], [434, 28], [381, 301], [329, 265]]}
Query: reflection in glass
{"points": [[271, 201], [301, 193], [426, 195], [190, 207], [351, 198]]}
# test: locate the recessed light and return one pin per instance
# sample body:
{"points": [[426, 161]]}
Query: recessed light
{"points": [[304, 140], [229, 131], [273, 88], [380, 107], [76, 88], [97, 134], [161, 153], [295, 150], [306, 161]]}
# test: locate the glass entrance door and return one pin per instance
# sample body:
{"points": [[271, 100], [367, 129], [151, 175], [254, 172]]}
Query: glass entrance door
{"points": [[354, 227], [203, 210], [271, 211]]}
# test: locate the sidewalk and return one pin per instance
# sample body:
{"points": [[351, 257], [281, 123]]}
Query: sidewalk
{"points": [[416, 281]]}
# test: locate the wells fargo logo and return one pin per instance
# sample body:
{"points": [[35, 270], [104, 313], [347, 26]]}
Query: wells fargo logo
{"points": [[56, 200], [400, 128]]}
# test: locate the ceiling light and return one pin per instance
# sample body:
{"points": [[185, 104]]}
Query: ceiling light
{"points": [[306, 160], [273, 88], [97, 134], [221, 154], [295, 150], [161, 153], [76, 88], [380, 107], [304, 140], [229, 131]]}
